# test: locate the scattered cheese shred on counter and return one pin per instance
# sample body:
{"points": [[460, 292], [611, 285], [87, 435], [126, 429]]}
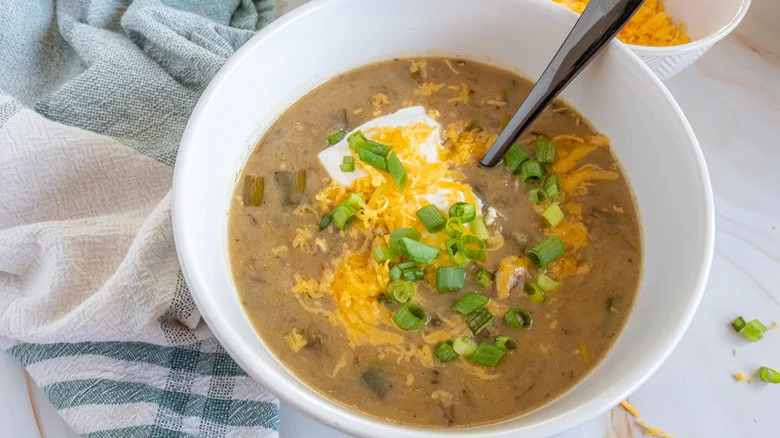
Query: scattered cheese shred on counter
{"points": [[740, 377], [773, 326], [652, 431], [630, 409]]}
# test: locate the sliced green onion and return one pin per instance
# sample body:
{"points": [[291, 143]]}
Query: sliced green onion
{"points": [[514, 157], [291, 186], [395, 272], [342, 215], [738, 324], [400, 233], [397, 171], [444, 352], [754, 330], [518, 318], [409, 317], [253, 190], [470, 302], [505, 343], [769, 375], [537, 196], [418, 252], [547, 252], [479, 320], [431, 218], [553, 214], [551, 188], [356, 139], [534, 292], [336, 137], [546, 283], [355, 201], [348, 159], [473, 247], [384, 299], [479, 229], [405, 266], [400, 290], [487, 355], [530, 169], [382, 254], [464, 210], [300, 181], [456, 253], [544, 151], [372, 159], [325, 222], [483, 277], [454, 227], [464, 345], [376, 148], [449, 278], [346, 168], [413, 274]]}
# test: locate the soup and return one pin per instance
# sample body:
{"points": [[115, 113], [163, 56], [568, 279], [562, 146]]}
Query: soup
{"points": [[392, 274]]}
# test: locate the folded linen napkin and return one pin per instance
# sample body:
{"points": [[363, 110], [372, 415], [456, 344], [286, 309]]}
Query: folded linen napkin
{"points": [[94, 96]]}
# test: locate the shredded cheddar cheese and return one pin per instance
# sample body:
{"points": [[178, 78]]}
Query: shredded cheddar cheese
{"points": [[464, 144], [295, 341], [420, 67], [427, 88], [463, 93], [652, 431], [302, 238], [630, 409]]}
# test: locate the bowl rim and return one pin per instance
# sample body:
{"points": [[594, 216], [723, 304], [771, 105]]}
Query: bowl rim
{"points": [[355, 422]]}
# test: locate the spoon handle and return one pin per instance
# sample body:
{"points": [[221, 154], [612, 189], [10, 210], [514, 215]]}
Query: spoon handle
{"points": [[600, 21]]}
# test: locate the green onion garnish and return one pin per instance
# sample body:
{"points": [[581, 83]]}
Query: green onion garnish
{"points": [[487, 355], [534, 292], [348, 159], [754, 330], [409, 317], [553, 214], [373, 159], [400, 233], [400, 290], [769, 375], [544, 151], [355, 201], [431, 218], [347, 164], [518, 318], [456, 253], [444, 352], [483, 277], [382, 254], [395, 272], [449, 278], [463, 210], [253, 190], [550, 185], [356, 139], [537, 196], [505, 343], [376, 148], [514, 157], [454, 227], [325, 222], [418, 252], [405, 266], [479, 320], [479, 229], [470, 302], [336, 137], [546, 283], [397, 171], [547, 252], [413, 274], [342, 215], [530, 169], [473, 247], [464, 345], [738, 324]]}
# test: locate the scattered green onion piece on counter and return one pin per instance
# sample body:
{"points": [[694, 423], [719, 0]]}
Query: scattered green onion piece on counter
{"points": [[355, 201], [544, 151], [431, 218], [342, 215], [518, 318], [553, 214], [324, 222], [754, 330], [547, 252], [546, 283], [449, 278], [530, 169], [395, 273], [479, 320], [418, 252], [405, 266], [444, 352], [769, 375], [738, 324], [479, 229], [550, 186], [409, 317], [473, 247], [487, 355], [469, 303], [397, 171], [514, 157], [356, 139], [455, 251], [483, 277], [382, 254], [534, 292], [454, 227], [372, 159], [253, 190], [400, 233], [336, 137], [400, 290], [505, 343], [537, 196], [464, 345], [466, 211]]}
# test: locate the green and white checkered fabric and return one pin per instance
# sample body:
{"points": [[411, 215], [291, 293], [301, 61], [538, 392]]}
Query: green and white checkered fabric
{"points": [[94, 97]]}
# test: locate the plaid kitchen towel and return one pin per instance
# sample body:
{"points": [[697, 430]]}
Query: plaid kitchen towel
{"points": [[94, 96]]}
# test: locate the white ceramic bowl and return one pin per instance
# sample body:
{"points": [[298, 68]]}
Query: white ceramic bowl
{"points": [[617, 92], [708, 22]]}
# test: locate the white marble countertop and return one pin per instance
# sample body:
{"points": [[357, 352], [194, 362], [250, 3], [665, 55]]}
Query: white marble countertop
{"points": [[732, 98]]}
